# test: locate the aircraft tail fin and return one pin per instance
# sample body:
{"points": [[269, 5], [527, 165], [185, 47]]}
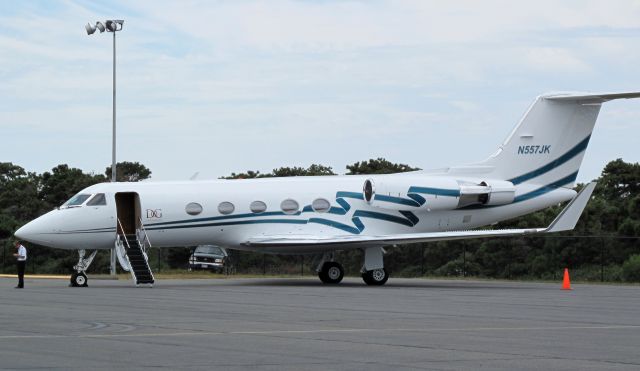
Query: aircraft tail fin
{"points": [[549, 142]]}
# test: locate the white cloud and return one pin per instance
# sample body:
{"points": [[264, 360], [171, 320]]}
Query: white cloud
{"points": [[556, 60], [207, 85]]}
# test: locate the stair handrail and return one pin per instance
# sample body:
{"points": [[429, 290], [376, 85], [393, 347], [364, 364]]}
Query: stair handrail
{"points": [[124, 233], [146, 239]]}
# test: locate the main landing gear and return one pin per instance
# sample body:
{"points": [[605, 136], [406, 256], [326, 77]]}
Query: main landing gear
{"points": [[373, 271], [331, 272], [79, 277], [376, 277]]}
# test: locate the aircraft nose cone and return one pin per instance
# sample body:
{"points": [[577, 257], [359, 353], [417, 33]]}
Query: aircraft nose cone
{"points": [[27, 232], [22, 232], [36, 231]]}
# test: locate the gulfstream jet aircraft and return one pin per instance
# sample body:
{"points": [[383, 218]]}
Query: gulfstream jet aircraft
{"points": [[536, 167]]}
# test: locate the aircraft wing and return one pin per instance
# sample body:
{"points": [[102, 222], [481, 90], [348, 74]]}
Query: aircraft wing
{"points": [[565, 221]]}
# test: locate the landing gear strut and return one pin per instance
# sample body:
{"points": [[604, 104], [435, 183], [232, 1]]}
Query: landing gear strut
{"points": [[373, 271], [79, 278], [329, 271]]}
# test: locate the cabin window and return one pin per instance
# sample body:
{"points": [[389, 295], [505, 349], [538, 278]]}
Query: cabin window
{"points": [[368, 190], [193, 208], [98, 200], [258, 207], [289, 206], [320, 205], [226, 208], [77, 200]]}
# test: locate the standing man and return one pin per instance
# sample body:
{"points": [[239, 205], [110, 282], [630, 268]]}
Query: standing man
{"points": [[21, 256]]}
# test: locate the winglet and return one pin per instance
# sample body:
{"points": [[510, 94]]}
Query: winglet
{"points": [[568, 218]]}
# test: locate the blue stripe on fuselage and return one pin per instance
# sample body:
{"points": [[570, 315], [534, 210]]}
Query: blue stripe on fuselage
{"points": [[573, 152]]}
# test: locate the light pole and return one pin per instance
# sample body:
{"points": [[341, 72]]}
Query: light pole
{"points": [[113, 26]]}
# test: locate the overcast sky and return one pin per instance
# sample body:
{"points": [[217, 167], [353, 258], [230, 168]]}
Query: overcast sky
{"points": [[221, 87]]}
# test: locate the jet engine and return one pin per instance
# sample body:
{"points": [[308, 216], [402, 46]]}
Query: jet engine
{"points": [[490, 193], [402, 192]]}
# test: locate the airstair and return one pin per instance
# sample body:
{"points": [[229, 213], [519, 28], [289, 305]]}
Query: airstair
{"points": [[132, 254]]}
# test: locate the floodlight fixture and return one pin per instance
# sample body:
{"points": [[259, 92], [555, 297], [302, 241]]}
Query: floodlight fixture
{"points": [[91, 29], [114, 25]]}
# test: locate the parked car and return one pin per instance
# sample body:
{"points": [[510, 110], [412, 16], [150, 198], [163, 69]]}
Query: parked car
{"points": [[209, 257]]}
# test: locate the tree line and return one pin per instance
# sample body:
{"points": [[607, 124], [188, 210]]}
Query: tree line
{"points": [[604, 245]]}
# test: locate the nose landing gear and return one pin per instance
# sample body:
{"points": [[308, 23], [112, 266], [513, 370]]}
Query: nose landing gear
{"points": [[79, 277]]}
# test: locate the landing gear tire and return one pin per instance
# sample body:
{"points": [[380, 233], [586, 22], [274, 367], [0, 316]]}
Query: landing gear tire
{"points": [[331, 273], [79, 280], [78, 277], [376, 277]]}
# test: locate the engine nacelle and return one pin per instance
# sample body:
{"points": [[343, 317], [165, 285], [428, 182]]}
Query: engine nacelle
{"points": [[501, 192], [490, 192], [411, 192]]}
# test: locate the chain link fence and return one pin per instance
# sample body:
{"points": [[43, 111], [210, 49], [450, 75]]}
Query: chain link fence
{"points": [[589, 258]]}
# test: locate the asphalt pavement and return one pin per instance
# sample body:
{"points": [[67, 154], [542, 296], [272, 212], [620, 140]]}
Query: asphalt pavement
{"points": [[296, 324]]}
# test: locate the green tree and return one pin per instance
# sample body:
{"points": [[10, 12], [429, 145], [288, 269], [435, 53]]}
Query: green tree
{"points": [[378, 166], [250, 174], [631, 269], [313, 170], [129, 172], [19, 193], [619, 180]]}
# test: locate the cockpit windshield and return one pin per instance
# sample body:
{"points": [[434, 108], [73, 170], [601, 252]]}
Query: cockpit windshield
{"points": [[76, 200], [97, 200]]}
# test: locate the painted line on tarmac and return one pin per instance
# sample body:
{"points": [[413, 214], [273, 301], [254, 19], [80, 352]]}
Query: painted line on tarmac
{"points": [[47, 277], [319, 331]]}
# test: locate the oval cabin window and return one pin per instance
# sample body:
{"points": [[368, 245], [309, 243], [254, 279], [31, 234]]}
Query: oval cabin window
{"points": [[289, 206], [368, 190], [320, 205], [193, 208], [226, 208], [258, 207]]}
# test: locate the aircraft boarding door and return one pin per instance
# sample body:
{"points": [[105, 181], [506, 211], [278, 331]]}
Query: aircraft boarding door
{"points": [[128, 210]]}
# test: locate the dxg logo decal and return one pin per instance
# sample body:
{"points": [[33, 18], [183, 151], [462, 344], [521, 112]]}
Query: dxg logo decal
{"points": [[154, 213]]}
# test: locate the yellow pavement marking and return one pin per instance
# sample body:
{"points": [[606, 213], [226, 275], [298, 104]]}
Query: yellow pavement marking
{"points": [[43, 276]]}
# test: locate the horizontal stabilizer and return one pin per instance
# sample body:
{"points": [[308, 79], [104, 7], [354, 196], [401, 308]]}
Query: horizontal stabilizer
{"points": [[565, 221], [591, 98]]}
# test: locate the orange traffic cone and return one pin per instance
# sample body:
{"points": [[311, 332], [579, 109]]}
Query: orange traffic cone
{"points": [[566, 282]]}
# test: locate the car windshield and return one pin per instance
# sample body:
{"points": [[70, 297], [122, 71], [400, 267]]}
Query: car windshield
{"points": [[214, 250], [77, 200]]}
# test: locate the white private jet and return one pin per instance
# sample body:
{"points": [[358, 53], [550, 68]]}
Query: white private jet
{"points": [[536, 167]]}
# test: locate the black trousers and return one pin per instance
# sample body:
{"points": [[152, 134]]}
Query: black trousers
{"points": [[21, 265]]}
